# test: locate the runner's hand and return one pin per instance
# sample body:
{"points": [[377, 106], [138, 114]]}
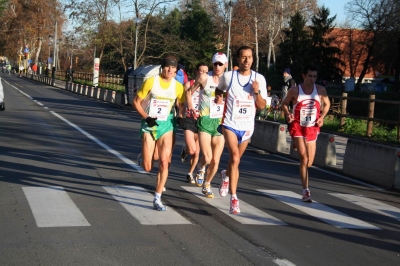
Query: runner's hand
{"points": [[219, 99], [289, 118], [255, 86], [151, 122]]}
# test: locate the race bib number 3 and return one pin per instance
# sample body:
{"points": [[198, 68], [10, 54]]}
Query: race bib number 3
{"points": [[216, 109], [243, 110], [159, 109], [308, 116]]}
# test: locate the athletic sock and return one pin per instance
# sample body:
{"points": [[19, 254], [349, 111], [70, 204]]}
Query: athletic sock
{"points": [[233, 196], [305, 190], [157, 196]]}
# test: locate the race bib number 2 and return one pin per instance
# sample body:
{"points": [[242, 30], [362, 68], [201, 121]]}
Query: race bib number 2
{"points": [[159, 109]]}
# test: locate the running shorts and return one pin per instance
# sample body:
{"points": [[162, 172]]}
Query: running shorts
{"points": [[242, 135], [209, 125], [162, 128], [190, 124], [309, 133]]}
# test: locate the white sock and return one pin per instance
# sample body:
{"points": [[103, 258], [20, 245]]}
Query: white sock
{"points": [[305, 190], [234, 196], [191, 174], [157, 196], [207, 183]]}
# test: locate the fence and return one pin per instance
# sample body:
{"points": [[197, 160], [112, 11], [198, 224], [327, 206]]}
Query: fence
{"points": [[339, 108], [109, 81]]}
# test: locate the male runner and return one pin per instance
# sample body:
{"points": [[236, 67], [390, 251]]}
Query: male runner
{"points": [[190, 130], [154, 102], [306, 120], [246, 91], [211, 141]]}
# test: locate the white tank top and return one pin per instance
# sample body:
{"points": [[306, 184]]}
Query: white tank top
{"points": [[307, 108], [207, 96]]}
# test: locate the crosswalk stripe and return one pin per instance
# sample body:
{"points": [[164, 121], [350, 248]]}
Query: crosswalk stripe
{"points": [[371, 204], [52, 207], [248, 215], [139, 203], [317, 210]]}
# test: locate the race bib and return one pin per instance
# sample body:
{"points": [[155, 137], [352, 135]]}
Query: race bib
{"points": [[242, 110], [216, 109], [196, 102], [159, 109], [308, 116]]}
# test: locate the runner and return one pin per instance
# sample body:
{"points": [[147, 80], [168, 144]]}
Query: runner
{"points": [[306, 120], [190, 130], [211, 141], [154, 102], [246, 91]]}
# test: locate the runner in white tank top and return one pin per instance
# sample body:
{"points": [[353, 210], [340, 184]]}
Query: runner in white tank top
{"points": [[311, 104], [246, 91], [211, 141]]}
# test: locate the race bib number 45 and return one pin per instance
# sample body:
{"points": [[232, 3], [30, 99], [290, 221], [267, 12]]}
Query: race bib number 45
{"points": [[243, 110], [159, 109]]}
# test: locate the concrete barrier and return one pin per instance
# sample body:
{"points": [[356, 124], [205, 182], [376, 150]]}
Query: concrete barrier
{"points": [[270, 136], [325, 153], [372, 162]]}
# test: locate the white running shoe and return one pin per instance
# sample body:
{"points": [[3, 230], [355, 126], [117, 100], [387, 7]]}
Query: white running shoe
{"points": [[224, 186], [307, 196], [158, 205], [235, 209], [200, 178]]}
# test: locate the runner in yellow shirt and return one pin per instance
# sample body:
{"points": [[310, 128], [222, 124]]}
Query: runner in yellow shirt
{"points": [[154, 102]]}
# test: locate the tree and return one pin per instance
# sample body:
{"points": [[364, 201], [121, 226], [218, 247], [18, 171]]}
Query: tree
{"points": [[294, 49], [322, 53], [377, 17], [197, 28]]}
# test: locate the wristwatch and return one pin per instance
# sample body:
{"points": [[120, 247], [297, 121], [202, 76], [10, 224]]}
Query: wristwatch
{"points": [[256, 93]]}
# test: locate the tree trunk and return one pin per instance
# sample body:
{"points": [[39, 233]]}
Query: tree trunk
{"points": [[365, 66]]}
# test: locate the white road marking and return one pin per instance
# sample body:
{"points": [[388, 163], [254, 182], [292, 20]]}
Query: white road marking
{"points": [[139, 203], [41, 104], [106, 147], [317, 210], [338, 175], [248, 215], [371, 204], [52, 207]]}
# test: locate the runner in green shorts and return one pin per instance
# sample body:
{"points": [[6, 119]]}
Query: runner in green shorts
{"points": [[154, 103], [211, 141]]}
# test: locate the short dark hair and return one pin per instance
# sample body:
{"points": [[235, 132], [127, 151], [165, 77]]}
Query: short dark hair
{"points": [[309, 68], [200, 64], [244, 47]]}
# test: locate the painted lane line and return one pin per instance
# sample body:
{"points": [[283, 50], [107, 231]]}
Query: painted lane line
{"points": [[248, 215], [20, 91], [332, 173], [107, 148], [370, 204], [52, 207], [139, 203], [317, 210], [41, 104]]}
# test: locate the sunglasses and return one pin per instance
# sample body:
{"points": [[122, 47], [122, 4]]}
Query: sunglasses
{"points": [[218, 64]]}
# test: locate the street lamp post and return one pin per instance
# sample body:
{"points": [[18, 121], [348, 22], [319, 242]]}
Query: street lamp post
{"points": [[72, 49], [229, 31], [137, 22]]}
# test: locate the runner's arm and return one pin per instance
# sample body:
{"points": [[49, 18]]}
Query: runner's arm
{"points": [[292, 92], [325, 103]]}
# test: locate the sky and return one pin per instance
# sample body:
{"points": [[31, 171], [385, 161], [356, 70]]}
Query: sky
{"points": [[336, 7]]}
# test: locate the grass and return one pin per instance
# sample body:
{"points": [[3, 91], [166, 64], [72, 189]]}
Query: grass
{"points": [[357, 127]]}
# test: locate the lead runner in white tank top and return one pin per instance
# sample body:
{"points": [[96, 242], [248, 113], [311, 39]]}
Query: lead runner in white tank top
{"points": [[240, 109]]}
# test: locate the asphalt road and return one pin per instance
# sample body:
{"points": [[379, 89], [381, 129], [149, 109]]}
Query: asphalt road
{"points": [[72, 194]]}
